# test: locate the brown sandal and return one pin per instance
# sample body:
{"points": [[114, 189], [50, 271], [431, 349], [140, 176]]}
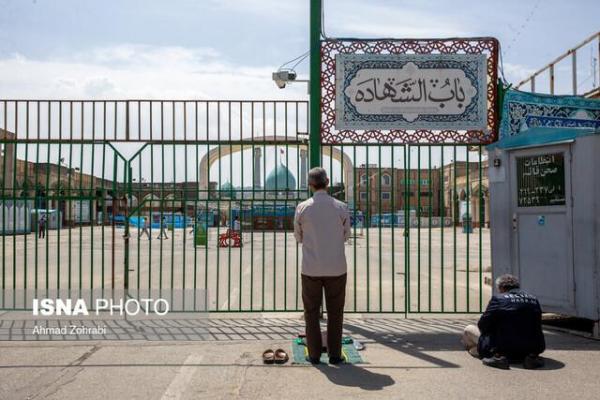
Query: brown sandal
{"points": [[281, 356], [268, 357]]}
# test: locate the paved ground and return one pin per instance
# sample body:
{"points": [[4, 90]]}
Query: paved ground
{"points": [[446, 269], [406, 359]]}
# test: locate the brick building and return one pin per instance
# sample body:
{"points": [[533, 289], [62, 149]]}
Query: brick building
{"points": [[388, 190]]}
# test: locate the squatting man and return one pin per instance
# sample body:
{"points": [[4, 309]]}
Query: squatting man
{"points": [[510, 329]]}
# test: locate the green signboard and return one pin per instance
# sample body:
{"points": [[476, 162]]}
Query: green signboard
{"points": [[541, 180]]}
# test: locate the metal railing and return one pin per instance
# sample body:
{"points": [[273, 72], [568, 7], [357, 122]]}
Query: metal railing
{"points": [[588, 85], [214, 173]]}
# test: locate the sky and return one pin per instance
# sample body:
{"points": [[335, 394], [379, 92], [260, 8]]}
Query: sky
{"points": [[227, 49]]}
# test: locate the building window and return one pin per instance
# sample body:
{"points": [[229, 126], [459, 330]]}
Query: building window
{"points": [[408, 193], [425, 194], [386, 179], [363, 196], [386, 195], [363, 179]]}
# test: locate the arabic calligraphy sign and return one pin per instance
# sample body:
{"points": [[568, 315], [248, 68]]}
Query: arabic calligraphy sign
{"points": [[407, 91], [541, 180]]}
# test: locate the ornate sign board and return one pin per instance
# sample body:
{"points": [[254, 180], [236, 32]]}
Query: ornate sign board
{"points": [[522, 110], [409, 91]]}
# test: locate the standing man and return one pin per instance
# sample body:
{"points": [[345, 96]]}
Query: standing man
{"points": [[42, 227], [163, 229], [236, 224], [145, 228], [322, 225]]}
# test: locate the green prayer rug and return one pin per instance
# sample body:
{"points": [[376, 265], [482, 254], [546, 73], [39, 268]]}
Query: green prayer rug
{"points": [[349, 353]]}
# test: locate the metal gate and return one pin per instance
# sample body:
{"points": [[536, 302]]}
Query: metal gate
{"points": [[221, 180], [420, 231]]}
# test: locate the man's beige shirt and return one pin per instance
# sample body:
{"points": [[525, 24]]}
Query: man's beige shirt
{"points": [[322, 225]]}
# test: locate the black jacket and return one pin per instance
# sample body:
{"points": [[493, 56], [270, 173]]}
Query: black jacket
{"points": [[511, 326]]}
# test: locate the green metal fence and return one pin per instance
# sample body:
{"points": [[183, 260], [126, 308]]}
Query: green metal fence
{"points": [[211, 172], [421, 234]]}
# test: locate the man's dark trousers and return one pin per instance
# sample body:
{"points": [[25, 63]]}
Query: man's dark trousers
{"points": [[335, 296]]}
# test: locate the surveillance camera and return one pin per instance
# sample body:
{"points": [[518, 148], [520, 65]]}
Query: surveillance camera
{"points": [[282, 77]]}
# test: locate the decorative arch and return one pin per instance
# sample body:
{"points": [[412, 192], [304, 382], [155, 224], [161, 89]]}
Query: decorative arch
{"points": [[151, 201], [213, 155], [59, 188], [172, 201]]}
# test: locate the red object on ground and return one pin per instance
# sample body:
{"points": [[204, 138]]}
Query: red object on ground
{"points": [[230, 238]]}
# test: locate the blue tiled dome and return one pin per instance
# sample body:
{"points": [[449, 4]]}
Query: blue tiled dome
{"points": [[280, 179], [227, 186]]}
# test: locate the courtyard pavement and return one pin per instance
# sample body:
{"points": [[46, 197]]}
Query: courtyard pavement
{"points": [[219, 357], [446, 270]]}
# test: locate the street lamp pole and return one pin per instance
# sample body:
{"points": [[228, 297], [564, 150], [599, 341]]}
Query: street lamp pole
{"points": [[315, 84]]}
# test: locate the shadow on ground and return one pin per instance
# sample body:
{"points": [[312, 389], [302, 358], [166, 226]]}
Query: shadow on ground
{"points": [[355, 376], [415, 337], [550, 364]]}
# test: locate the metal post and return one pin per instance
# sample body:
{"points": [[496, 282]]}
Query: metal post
{"points": [[551, 78], [598, 63], [315, 87], [127, 197], [315, 84], [574, 67]]}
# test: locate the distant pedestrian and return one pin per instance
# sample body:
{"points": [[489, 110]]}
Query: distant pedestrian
{"points": [[163, 229], [42, 227], [193, 225], [145, 228], [236, 224]]}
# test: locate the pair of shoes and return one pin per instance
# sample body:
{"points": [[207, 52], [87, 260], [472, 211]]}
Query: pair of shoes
{"points": [[533, 361], [278, 356], [313, 361], [496, 361], [336, 360]]}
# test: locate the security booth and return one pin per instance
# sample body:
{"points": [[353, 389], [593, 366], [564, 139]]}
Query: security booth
{"points": [[545, 216]]}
